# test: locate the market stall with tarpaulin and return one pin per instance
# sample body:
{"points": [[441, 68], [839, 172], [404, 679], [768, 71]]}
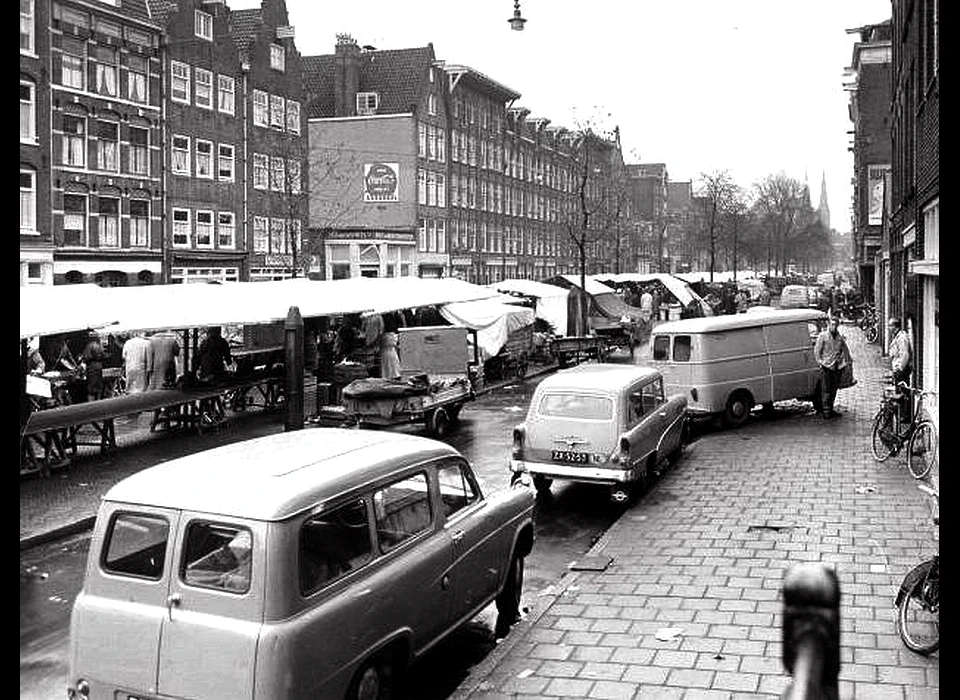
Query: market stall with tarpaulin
{"points": [[493, 320], [609, 315], [674, 287], [550, 301]]}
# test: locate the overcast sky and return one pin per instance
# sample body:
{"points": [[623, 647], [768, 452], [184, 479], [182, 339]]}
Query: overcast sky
{"points": [[750, 86]]}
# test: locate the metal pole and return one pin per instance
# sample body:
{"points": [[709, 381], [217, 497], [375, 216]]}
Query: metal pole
{"points": [[293, 369]]}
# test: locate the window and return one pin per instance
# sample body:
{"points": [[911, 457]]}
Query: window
{"points": [[135, 36], [651, 395], [422, 140], [181, 228], [102, 26], [431, 188], [402, 510], [367, 102], [28, 110], [333, 543], [26, 26], [421, 186], [107, 82], [226, 229], [72, 64], [74, 140], [108, 146], [180, 82], [139, 223], [180, 155], [278, 242], [109, 211], [204, 159], [276, 112], [225, 162], [261, 109], [457, 488], [74, 219], [203, 96], [293, 117], [139, 152], [432, 104], [578, 406], [217, 556], [261, 171], [277, 174], [277, 57], [204, 229], [261, 235], [71, 16], [293, 227], [28, 201], [422, 236], [137, 79], [681, 348], [441, 190], [293, 176], [441, 149], [226, 89], [203, 25], [136, 545], [441, 236]]}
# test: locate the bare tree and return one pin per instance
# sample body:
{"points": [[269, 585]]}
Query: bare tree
{"points": [[780, 203], [718, 195]]}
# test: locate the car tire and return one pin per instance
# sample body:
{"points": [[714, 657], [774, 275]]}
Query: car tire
{"points": [[738, 409], [542, 483], [439, 422], [508, 600], [374, 681]]}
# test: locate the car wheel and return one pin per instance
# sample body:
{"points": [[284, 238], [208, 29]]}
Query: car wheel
{"points": [[439, 422], [542, 483], [374, 681], [508, 600], [738, 409]]}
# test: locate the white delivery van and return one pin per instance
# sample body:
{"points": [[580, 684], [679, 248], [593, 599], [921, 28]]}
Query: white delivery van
{"points": [[726, 365]]}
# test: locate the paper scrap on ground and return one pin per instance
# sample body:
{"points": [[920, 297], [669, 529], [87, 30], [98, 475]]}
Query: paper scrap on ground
{"points": [[669, 634], [525, 673], [866, 488]]}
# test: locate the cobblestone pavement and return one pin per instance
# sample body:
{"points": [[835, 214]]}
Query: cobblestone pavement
{"points": [[700, 560]]}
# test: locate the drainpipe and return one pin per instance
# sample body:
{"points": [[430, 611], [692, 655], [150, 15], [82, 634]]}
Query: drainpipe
{"points": [[245, 187]]}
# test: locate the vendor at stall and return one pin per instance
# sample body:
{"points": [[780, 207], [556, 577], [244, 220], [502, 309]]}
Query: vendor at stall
{"points": [[212, 357]]}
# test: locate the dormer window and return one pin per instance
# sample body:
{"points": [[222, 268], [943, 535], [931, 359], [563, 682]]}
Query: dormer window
{"points": [[203, 25], [367, 102], [278, 58]]}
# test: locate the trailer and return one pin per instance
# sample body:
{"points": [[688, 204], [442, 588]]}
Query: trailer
{"points": [[573, 349]]}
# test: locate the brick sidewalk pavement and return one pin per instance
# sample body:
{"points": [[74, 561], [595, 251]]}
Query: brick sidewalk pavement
{"points": [[700, 559]]}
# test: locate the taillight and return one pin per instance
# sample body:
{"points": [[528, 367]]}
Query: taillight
{"points": [[519, 434], [622, 454], [694, 394]]}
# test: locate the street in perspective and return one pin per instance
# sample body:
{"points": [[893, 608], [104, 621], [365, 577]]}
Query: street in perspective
{"points": [[396, 350]]}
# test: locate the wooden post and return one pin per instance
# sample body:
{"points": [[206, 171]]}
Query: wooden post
{"points": [[293, 369]]}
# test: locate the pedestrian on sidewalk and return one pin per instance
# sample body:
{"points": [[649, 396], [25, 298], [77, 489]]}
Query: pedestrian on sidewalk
{"points": [[832, 354]]}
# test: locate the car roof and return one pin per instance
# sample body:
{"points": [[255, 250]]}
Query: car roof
{"points": [[714, 324], [276, 476], [603, 376]]}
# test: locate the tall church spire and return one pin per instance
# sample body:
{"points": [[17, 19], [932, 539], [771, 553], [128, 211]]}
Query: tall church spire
{"points": [[824, 209]]}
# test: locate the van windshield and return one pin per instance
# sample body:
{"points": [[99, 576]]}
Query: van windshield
{"points": [[576, 406]]}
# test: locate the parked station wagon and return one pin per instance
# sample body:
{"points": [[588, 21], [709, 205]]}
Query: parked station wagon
{"points": [[599, 423], [309, 564]]}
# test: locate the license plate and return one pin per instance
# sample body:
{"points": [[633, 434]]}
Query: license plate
{"points": [[572, 457]]}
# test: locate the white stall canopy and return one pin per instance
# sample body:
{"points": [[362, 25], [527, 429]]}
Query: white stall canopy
{"points": [[492, 319]]}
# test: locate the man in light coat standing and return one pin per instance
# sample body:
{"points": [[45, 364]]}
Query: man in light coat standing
{"points": [[832, 354]]}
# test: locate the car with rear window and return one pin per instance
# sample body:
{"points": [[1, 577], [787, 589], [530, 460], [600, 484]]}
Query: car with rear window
{"points": [[600, 423], [318, 563]]}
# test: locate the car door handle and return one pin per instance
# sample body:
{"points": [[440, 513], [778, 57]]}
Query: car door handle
{"points": [[457, 536], [663, 414], [173, 601]]}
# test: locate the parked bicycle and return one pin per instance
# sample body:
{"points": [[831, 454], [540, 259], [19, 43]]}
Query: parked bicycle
{"points": [[870, 323], [891, 433], [918, 600]]}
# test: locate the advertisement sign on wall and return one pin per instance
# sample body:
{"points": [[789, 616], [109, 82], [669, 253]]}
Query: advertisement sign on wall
{"points": [[381, 182], [877, 176]]}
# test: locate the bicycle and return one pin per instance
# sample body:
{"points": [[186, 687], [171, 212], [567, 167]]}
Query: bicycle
{"points": [[889, 435], [918, 600], [870, 324]]}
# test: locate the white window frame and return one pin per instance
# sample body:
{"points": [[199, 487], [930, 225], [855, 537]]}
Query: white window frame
{"points": [[261, 108], [277, 174], [182, 149], [422, 235], [278, 57], [138, 154], [28, 32], [431, 188], [432, 105], [108, 150], [203, 228], [261, 171], [441, 145], [139, 226], [226, 229], [75, 144], [368, 103], [421, 186], [441, 190], [83, 217], [203, 88], [204, 161], [28, 202], [203, 25], [293, 116], [73, 67], [422, 140], [441, 236], [108, 224], [261, 234], [226, 94], [180, 82], [106, 74], [138, 87], [182, 227], [28, 112], [293, 175], [278, 236], [226, 162], [277, 112]]}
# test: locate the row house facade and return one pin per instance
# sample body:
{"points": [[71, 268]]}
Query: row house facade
{"points": [[647, 186], [422, 167], [911, 248], [869, 112]]}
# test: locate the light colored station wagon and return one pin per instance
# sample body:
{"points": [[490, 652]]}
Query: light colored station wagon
{"points": [[309, 564], [599, 423]]}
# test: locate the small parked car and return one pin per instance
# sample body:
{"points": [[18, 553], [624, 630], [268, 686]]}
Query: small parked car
{"points": [[795, 296], [599, 423], [308, 564]]}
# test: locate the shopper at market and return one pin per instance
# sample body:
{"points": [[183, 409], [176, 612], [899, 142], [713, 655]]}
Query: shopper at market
{"points": [[93, 356], [213, 356], [166, 349], [137, 363]]}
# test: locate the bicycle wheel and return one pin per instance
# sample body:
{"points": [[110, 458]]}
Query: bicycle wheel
{"points": [[884, 436], [918, 615], [871, 333], [923, 449]]}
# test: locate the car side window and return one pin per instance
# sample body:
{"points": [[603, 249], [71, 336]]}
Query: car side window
{"points": [[457, 488], [217, 555], [332, 543], [652, 394], [402, 510], [661, 347], [136, 545], [681, 348]]}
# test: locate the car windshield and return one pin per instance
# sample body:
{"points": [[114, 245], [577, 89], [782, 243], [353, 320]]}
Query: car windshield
{"points": [[576, 406]]}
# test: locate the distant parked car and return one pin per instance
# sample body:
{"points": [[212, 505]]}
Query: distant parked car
{"points": [[599, 423], [310, 564], [795, 296]]}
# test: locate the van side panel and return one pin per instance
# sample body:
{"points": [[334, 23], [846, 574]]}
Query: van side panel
{"points": [[791, 360], [731, 361]]}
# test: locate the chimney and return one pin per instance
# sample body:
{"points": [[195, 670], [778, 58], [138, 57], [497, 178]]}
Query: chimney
{"points": [[347, 76]]}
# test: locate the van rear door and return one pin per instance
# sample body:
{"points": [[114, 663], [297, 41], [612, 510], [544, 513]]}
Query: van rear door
{"points": [[792, 366]]}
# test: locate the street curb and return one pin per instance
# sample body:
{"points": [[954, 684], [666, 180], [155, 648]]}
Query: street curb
{"points": [[74, 528]]}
